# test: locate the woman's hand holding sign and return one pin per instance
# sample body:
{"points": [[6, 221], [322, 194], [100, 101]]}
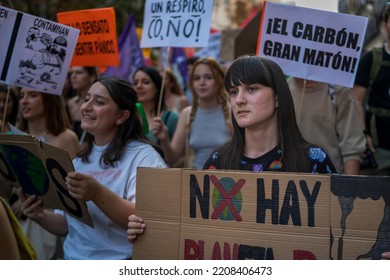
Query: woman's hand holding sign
{"points": [[135, 227], [32, 207], [82, 186], [386, 256]]}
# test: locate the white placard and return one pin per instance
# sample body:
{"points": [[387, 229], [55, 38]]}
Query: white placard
{"points": [[173, 23], [312, 44], [36, 52]]}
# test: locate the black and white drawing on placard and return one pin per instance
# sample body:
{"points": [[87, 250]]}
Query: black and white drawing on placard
{"points": [[38, 51]]}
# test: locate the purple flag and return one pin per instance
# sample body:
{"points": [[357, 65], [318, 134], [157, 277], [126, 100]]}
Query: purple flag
{"points": [[130, 53], [178, 64], [178, 58]]}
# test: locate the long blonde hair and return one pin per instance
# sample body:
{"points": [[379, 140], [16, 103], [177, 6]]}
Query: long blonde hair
{"points": [[219, 75]]}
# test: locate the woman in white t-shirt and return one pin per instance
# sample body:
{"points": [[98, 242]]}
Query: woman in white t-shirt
{"points": [[105, 174]]}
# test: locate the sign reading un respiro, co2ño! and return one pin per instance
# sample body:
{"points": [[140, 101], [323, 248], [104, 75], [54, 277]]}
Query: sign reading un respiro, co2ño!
{"points": [[176, 23]]}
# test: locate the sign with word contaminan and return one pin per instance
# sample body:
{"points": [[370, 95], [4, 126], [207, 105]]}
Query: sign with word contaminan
{"points": [[40, 169], [97, 44], [205, 215], [312, 44], [173, 23], [36, 52]]}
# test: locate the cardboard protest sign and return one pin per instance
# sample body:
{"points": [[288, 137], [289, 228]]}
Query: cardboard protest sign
{"points": [[97, 44], [360, 216], [196, 214], [36, 52], [40, 169], [312, 44], [170, 23]]}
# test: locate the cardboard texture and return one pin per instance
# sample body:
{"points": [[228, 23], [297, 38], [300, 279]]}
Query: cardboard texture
{"points": [[237, 42], [40, 169], [204, 214]]}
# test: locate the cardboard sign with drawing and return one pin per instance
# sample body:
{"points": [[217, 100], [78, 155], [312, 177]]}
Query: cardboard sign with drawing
{"points": [[36, 51]]}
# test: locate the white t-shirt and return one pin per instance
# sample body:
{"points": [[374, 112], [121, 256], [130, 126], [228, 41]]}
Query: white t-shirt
{"points": [[107, 240]]}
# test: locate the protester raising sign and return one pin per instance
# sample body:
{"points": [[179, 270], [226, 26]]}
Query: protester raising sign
{"points": [[172, 23], [312, 44], [36, 52], [97, 44]]}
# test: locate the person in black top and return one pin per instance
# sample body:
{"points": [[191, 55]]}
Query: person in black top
{"points": [[372, 95], [266, 135]]}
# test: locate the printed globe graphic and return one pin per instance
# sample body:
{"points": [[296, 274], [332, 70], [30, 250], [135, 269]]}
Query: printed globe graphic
{"points": [[28, 169], [227, 183]]}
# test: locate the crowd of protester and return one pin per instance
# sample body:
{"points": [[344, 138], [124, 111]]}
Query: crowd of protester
{"points": [[249, 116]]}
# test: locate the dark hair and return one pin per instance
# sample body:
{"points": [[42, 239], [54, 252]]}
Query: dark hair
{"points": [[15, 105], [56, 118], [250, 69], [156, 78], [125, 97], [91, 70]]}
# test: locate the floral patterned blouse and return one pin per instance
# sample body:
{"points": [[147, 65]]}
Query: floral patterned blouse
{"points": [[320, 162]]}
